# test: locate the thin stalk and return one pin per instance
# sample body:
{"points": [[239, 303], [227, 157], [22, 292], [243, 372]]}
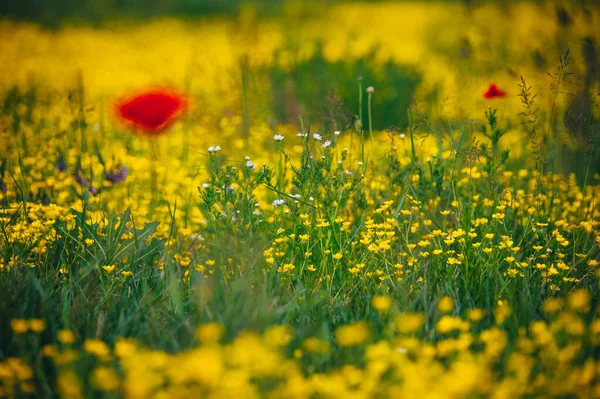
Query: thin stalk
{"points": [[360, 94], [153, 176], [370, 116], [412, 140], [280, 171]]}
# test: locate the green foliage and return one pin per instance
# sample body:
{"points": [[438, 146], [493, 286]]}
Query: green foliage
{"points": [[326, 91]]}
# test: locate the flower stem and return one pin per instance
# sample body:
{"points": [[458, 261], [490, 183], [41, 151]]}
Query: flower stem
{"points": [[370, 116]]}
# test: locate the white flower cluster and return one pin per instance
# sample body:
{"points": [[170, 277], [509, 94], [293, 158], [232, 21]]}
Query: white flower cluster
{"points": [[249, 164], [214, 148], [278, 202]]}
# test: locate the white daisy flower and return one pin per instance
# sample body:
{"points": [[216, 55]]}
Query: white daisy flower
{"points": [[250, 165], [278, 202]]}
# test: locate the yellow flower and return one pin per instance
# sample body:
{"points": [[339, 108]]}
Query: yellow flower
{"points": [[66, 336], [89, 242], [315, 345], [37, 325], [453, 261], [105, 379], [448, 324], [553, 305], [337, 256], [19, 326], [69, 385], [278, 336], [352, 334], [458, 233], [409, 322], [96, 347], [210, 333], [109, 269], [579, 299], [445, 304], [286, 268], [445, 212], [382, 303], [49, 350], [502, 311], [489, 236], [475, 314], [125, 347]]}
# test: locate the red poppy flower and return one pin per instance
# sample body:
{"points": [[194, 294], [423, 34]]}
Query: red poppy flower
{"points": [[493, 91], [152, 111]]}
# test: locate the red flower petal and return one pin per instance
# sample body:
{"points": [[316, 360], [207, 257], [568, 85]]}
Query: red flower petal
{"points": [[153, 111], [493, 91]]}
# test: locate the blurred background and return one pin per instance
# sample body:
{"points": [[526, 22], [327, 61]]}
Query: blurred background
{"points": [[260, 65]]}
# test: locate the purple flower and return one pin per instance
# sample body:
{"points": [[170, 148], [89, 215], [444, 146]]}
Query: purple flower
{"points": [[61, 165], [79, 178], [117, 175]]}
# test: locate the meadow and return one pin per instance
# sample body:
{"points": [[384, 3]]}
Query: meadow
{"points": [[357, 200]]}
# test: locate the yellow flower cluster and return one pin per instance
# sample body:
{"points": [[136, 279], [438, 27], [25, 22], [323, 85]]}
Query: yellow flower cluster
{"points": [[462, 362]]}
